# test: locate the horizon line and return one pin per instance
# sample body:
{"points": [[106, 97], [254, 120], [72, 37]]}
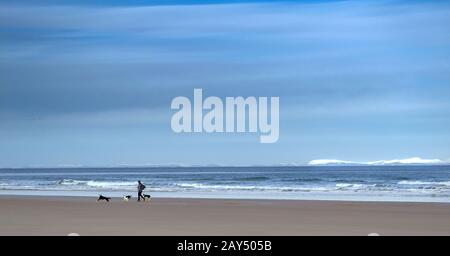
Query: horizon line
{"points": [[174, 166]]}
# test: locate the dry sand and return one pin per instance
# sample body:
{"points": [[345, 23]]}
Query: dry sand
{"points": [[64, 215]]}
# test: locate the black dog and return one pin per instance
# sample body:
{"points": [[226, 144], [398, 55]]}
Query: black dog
{"points": [[126, 198], [146, 197], [101, 197]]}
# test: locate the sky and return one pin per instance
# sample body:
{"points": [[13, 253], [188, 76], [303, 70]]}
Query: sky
{"points": [[90, 83]]}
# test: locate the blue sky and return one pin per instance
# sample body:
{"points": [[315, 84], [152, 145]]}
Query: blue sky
{"points": [[90, 83]]}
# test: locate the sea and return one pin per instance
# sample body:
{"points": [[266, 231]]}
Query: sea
{"points": [[352, 183]]}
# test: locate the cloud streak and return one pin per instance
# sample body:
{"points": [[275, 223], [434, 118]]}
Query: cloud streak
{"points": [[109, 58], [372, 73]]}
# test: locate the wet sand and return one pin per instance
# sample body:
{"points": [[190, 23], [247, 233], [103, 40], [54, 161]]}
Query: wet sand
{"points": [[60, 216]]}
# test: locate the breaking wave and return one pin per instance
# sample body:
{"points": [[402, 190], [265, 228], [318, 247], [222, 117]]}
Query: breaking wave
{"points": [[285, 182]]}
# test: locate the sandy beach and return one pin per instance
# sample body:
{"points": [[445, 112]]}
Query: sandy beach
{"points": [[63, 215]]}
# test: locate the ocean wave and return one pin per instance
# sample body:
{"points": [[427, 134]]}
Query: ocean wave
{"points": [[214, 187], [340, 188], [350, 185], [257, 178], [70, 182], [303, 179], [419, 182], [315, 182], [348, 181], [211, 187], [96, 184], [110, 184]]}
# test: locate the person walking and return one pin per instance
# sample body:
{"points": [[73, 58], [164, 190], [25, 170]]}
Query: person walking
{"points": [[140, 188]]}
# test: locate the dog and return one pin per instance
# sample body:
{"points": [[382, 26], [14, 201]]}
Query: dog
{"points": [[146, 197], [126, 198], [101, 197]]}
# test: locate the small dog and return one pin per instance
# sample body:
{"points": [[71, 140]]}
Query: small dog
{"points": [[146, 197], [101, 197], [126, 198]]}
